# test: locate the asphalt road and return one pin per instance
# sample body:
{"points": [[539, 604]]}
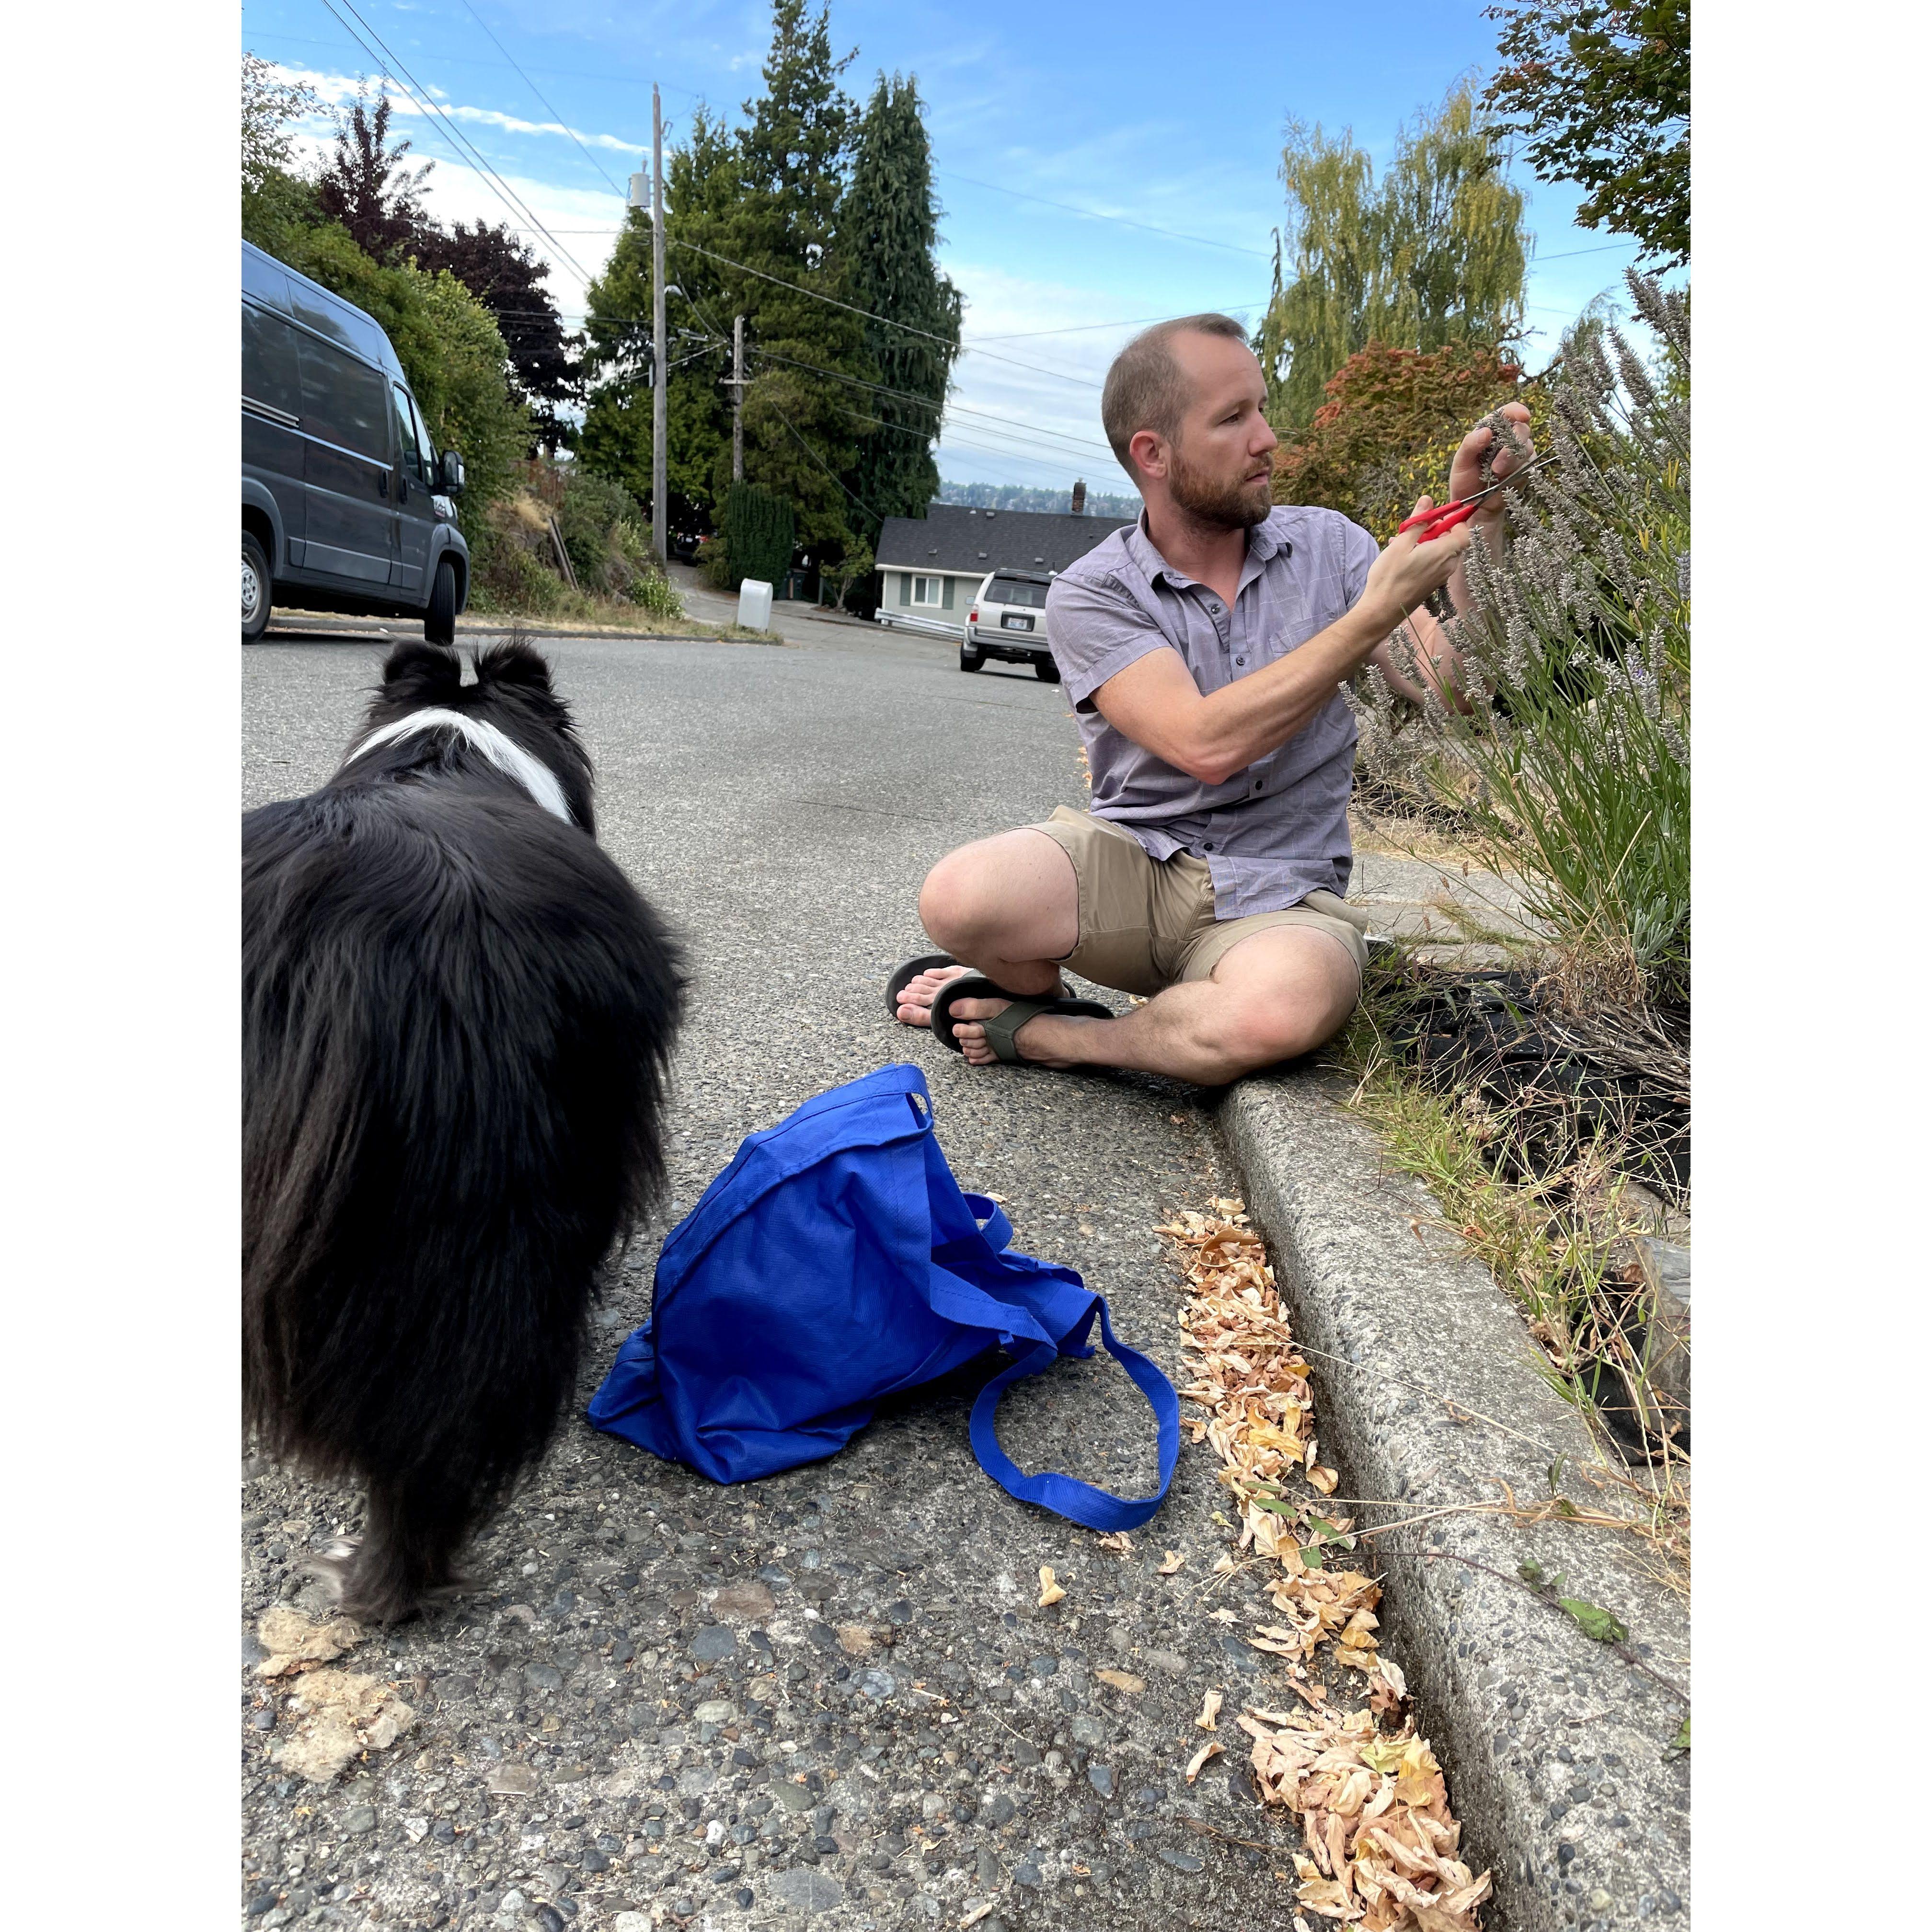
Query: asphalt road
{"points": [[724, 1762]]}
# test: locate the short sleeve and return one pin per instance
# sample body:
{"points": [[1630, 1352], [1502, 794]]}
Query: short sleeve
{"points": [[1095, 630], [1359, 552]]}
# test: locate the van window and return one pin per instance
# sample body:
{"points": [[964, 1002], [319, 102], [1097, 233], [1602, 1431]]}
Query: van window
{"points": [[270, 372], [344, 401], [425, 439], [416, 458], [1016, 591], [264, 279], [337, 320]]}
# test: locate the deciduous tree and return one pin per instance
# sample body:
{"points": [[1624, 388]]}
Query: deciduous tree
{"points": [[1432, 253], [1600, 91]]}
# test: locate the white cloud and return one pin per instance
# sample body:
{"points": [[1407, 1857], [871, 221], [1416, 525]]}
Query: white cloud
{"points": [[336, 90]]}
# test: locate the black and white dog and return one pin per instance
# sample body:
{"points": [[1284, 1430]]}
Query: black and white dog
{"points": [[457, 1014]]}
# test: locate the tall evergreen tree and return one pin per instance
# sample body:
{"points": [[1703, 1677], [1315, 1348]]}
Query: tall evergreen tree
{"points": [[1432, 254], [888, 232], [767, 197]]}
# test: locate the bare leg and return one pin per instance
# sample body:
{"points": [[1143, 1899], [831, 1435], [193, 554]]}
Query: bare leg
{"points": [[1277, 993], [1007, 907]]}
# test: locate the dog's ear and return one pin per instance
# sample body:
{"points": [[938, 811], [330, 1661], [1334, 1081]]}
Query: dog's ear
{"points": [[513, 663], [416, 674]]}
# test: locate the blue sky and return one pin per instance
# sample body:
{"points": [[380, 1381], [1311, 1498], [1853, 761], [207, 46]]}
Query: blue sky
{"points": [[1122, 114]]}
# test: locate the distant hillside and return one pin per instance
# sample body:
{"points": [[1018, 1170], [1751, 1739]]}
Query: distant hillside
{"points": [[1017, 497]]}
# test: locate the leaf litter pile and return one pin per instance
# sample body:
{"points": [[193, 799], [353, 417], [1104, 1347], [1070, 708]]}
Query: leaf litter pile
{"points": [[1380, 1840]]}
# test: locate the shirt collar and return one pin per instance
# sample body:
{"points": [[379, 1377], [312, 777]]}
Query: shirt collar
{"points": [[1265, 542]]}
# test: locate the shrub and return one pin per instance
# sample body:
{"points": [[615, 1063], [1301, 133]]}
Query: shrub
{"points": [[590, 514], [759, 533], [1572, 771], [1393, 417]]}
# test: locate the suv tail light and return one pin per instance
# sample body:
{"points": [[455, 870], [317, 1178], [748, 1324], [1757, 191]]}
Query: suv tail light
{"points": [[973, 615]]}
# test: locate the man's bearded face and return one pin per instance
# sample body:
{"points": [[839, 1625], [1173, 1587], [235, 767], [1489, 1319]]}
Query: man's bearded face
{"points": [[1230, 497]]}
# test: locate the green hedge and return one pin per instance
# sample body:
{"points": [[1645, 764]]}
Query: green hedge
{"points": [[760, 533]]}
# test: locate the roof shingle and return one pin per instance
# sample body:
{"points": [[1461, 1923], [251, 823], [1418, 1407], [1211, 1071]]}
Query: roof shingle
{"points": [[953, 536]]}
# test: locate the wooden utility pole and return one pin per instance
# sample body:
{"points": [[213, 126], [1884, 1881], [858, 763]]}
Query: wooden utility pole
{"points": [[737, 399], [660, 411]]}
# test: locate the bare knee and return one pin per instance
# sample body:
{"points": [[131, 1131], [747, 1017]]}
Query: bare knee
{"points": [[1251, 1033], [952, 902]]}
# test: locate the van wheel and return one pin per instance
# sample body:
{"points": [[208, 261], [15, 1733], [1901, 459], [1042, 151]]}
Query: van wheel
{"points": [[971, 657], [439, 619], [1046, 670], [257, 588]]}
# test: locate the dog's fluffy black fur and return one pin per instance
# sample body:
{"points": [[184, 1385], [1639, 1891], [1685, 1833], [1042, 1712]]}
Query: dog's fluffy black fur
{"points": [[457, 1014]]}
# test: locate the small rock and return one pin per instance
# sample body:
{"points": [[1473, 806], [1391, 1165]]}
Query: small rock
{"points": [[1026, 1872], [1170, 1661], [1101, 1777], [713, 1644], [511, 1903], [1182, 1862], [415, 1829], [743, 1600], [999, 1810], [549, 1919], [807, 1890], [631, 1921], [362, 1818], [512, 1781], [877, 1684], [543, 1677], [715, 1710], [1043, 1667]]}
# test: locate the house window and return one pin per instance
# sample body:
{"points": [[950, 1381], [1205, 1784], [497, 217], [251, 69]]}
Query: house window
{"points": [[927, 590]]}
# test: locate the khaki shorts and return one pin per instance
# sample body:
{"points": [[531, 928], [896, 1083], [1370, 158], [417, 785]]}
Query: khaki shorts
{"points": [[1146, 924]]}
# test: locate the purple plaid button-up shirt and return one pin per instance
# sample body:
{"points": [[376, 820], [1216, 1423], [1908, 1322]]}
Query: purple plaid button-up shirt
{"points": [[1278, 831]]}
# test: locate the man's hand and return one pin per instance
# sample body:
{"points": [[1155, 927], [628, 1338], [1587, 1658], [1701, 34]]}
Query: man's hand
{"points": [[1466, 470], [1408, 570]]}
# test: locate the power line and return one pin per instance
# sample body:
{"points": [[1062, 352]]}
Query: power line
{"points": [[1126, 322], [938, 435], [821, 462], [532, 86], [872, 315], [421, 96], [926, 402], [1093, 214]]}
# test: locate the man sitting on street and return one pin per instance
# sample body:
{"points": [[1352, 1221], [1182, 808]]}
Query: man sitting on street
{"points": [[1203, 648]]}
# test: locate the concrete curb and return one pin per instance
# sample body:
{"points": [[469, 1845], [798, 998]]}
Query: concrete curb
{"points": [[1554, 1747]]}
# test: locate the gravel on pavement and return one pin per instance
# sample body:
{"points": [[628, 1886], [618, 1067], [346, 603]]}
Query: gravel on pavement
{"points": [[828, 1698]]}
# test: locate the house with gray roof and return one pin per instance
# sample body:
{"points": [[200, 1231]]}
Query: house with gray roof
{"points": [[930, 566]]}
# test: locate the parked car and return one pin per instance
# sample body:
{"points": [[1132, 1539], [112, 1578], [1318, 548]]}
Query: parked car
{"points": [[1007, 620], [345, 502]]}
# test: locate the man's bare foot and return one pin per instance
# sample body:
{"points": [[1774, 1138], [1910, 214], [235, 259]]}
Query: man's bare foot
{"points": [[971, 1035], [917, 994]]}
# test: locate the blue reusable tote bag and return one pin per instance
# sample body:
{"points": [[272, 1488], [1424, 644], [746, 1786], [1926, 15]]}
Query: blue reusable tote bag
{"points": [[834, 1263]]}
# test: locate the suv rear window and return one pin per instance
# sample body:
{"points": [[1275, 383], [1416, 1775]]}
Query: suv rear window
{"points": [[1015, 590]]}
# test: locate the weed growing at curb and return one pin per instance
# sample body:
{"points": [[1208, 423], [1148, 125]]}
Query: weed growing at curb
{"points": [[1553, 1240]]}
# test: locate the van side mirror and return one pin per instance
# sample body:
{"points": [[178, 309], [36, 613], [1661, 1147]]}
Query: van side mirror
{"points": [[452, 472]]}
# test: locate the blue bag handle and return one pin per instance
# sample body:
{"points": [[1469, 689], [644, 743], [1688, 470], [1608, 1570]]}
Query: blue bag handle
{"points": [[1067, 1495]]}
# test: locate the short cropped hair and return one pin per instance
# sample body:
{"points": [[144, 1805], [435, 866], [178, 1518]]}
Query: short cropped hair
{"points": [[1145, 387]]}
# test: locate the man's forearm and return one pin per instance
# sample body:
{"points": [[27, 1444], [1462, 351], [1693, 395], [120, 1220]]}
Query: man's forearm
{"points": [[1255, 716]]}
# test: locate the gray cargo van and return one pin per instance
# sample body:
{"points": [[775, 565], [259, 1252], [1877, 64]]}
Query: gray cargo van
{"points": [[345, 502]]}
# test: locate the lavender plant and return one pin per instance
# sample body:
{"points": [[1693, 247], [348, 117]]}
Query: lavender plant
{"points": [[1570, 770]]}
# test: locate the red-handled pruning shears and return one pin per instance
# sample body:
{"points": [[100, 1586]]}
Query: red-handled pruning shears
{"points": [[1446, 516]]}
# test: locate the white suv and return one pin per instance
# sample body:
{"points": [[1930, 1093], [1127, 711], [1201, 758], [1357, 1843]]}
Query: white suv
{"points": [[1008, 620]]}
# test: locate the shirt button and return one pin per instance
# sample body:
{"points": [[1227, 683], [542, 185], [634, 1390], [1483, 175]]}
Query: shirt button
{"points": [[1209, 846], [1241, 661]]}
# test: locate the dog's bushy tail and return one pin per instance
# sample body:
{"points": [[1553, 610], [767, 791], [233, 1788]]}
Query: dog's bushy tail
{"points": [[456, 1016]]}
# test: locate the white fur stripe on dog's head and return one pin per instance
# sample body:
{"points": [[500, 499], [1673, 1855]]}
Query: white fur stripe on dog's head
{"points": [[534, 776]]}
